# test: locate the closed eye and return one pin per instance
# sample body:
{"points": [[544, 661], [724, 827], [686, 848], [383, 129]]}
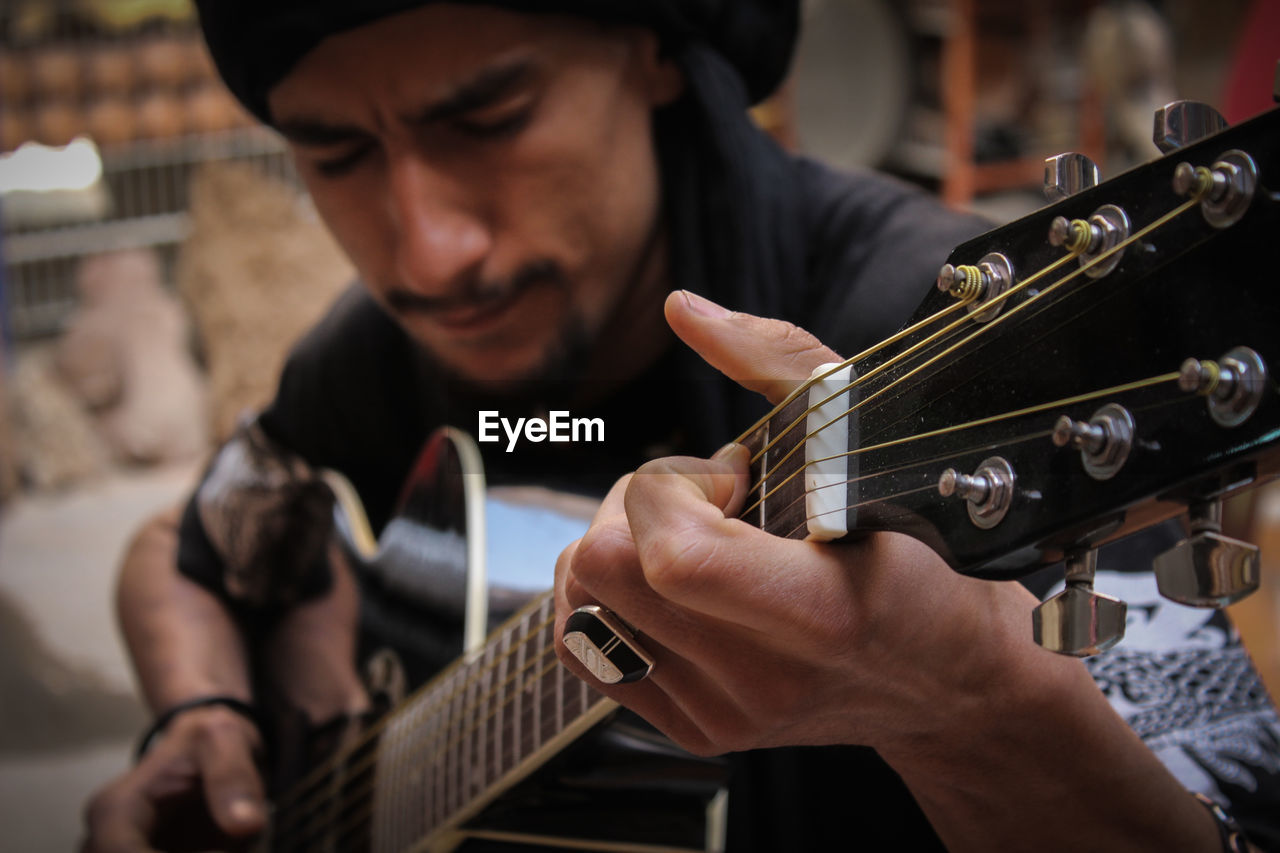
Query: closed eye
{"points": [[341, 164], [495, 124]]}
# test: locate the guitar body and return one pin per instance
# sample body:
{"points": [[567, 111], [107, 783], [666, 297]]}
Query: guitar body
{"points": [[480, 770]]}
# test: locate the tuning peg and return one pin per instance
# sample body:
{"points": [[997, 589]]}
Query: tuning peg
{"points": [[1104, 441], [1207, 569], [1234, 385], [1078, 621], [1067, 174], [988, 491], [978, 285], [1182, 122]]}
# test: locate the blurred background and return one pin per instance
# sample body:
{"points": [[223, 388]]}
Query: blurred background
{"points": [[159, 259]]}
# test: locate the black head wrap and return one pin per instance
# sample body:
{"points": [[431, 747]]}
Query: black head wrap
{"points": [[255, 43]]}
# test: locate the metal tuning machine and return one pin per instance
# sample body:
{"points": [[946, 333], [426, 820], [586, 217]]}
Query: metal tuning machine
{"points": [[1078, 621], [1181, 123], [1207, 569], [989, 490], [1095, 240], [1225, 189], [1104, 441], [1233, 385], [1067, 174], [978, 284]]}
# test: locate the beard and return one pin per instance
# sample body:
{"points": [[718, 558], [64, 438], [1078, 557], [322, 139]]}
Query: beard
{"points": [[553, 375], [554, 378]]}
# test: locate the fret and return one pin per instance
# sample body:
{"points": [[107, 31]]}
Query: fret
{"points": [[456, 738], [779, 471], [417, 805], [518, 711], [327, 839], [499, 718], [436, 760], [485, 712], [441, 760], [352, 830], [535, 684], [559, 700], [467, 735]]}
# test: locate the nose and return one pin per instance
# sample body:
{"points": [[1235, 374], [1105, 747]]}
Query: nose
{"points": [[441, 240]]}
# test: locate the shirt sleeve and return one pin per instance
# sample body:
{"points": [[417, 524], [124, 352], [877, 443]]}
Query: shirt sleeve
{"points": [[255, 529]]}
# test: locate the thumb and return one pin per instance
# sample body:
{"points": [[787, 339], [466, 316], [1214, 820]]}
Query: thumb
{"points": [[232, 785], [770, 357]]}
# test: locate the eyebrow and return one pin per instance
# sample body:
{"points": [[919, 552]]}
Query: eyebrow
{"points": [[486, 87]]}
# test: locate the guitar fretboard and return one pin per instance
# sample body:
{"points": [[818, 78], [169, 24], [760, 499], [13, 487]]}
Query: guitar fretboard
{"points": [[477, 729]]}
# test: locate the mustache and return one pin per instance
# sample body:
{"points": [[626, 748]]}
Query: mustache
{"points": [[477, 293]]}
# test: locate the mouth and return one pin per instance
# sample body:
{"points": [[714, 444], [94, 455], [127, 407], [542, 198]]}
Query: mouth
{"points": [[474, 316], [480, 309], [469, 315]]}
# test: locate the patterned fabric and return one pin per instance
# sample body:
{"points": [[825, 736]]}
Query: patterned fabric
{"points": [[267, 516], [1186, 685]]}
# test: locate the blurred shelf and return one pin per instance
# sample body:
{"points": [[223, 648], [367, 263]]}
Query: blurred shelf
{"points": [[147, 183], [991, 72], [94, 237]]}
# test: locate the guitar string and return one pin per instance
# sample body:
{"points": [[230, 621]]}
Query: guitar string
{"points": [[309, 810], [886, 365], [945, 353], [1193, 200], [1160, 222], [990, 419], [321, 779], [434, 754], [896, 469], [438, 758], [434, 750], [324, 773], [848, 362], [1101, 258], [906, 354], [438, 682], [374, 730], [1033, 436], [420, 746], [321, 775]]}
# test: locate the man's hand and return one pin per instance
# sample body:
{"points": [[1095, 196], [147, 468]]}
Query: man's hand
{"points": [[762, 641], [198, 788]]}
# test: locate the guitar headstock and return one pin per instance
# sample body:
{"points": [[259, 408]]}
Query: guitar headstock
{"points": [[1099, 365]]}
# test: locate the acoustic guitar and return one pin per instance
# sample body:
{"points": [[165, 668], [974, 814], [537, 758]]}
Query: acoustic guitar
{"points": [[1100, 365]]}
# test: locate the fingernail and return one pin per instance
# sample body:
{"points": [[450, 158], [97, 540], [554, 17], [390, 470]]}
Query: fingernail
{"points": [[244, 810], [701, 305], [725, 453]]}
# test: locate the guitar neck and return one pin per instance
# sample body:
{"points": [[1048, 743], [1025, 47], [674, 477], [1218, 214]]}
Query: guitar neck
{"points": [[1040, 410], [470, 734]]}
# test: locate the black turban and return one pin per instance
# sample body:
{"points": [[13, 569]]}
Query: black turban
{"points": [[255, 43]]}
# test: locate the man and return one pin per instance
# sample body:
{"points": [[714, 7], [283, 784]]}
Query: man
{"points": [[521, 194]]}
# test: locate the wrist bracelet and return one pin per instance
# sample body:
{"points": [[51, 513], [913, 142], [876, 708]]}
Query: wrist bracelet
{"points": [[1230, 833], [162, 722]]}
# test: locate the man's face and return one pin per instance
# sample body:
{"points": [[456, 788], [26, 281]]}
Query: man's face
{"points": [[491, 175]]}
